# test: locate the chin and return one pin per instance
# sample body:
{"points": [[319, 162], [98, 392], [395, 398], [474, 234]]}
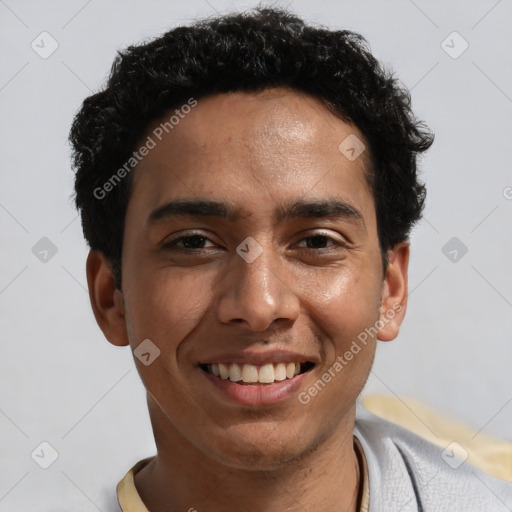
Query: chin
{"points": [[261, 449]]}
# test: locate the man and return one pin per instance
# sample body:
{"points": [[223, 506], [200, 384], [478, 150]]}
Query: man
{"points": [[247, 186]]}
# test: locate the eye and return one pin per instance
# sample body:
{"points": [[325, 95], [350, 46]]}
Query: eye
{"points": [[192, 242], [320, 241]]}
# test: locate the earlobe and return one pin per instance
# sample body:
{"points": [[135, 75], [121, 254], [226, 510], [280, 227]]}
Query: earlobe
{"points": [[394, 293], [106, 300]]}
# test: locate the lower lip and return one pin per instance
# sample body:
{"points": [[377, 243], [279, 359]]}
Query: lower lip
{"points": [[254, 395]]}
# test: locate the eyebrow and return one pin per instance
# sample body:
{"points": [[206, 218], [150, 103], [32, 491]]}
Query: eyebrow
{"points": [[324, 208]]}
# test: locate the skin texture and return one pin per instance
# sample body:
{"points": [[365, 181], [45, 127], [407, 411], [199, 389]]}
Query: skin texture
{"points": [[309, 296]]}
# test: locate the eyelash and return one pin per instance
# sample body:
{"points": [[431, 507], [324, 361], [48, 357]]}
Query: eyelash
{"points": [[336, 244], [174, 243]]}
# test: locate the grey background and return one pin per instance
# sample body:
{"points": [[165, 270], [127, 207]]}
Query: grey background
{"points": [[62, 383]]}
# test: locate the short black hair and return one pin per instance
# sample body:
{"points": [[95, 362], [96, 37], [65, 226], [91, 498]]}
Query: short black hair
{"points": [[247, 52]]}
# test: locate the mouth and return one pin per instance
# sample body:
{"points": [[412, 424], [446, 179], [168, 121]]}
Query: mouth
{"points": [[257, 375]]}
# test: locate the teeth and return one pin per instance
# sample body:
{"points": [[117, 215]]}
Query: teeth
{"points": [[235, 374], [250, 374], [266, 373], [280, 371], [224, 372]]}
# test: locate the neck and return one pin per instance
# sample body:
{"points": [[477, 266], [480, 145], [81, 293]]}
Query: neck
{"points": [[183, 478]]}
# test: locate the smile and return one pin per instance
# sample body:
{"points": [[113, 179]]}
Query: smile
{"points": [[254, 375]]}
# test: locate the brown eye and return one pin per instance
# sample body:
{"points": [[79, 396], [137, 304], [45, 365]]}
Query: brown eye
{"points": [[193, 242], [190, 242], [317, 242]]}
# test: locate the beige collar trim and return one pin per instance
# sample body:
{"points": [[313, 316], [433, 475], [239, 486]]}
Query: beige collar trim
{"points": [[127, 495]]}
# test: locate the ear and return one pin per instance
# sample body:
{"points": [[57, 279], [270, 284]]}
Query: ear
{"points": [[106, 300], [394, 293]]}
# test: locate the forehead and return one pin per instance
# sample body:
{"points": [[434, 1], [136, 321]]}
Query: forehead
{"points": [[270, 116], [265, 147]]}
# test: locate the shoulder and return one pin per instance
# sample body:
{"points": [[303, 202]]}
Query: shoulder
{"points": [[408, 473]]}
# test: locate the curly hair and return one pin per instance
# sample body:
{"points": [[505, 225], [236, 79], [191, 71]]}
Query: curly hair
{"points": [[247, 52]]}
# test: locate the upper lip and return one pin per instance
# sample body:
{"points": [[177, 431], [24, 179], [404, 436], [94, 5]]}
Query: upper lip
{"points": [[258, 358]]}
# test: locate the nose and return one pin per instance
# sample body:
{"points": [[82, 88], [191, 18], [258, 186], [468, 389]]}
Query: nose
{"points": [[256, 294]]}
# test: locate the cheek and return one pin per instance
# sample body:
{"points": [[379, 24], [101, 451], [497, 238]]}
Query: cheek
{"points": [[165, 307], [345, 312], [343, 301]]}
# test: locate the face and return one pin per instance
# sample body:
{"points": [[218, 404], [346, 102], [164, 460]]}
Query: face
{"points": [[252, 263]]}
